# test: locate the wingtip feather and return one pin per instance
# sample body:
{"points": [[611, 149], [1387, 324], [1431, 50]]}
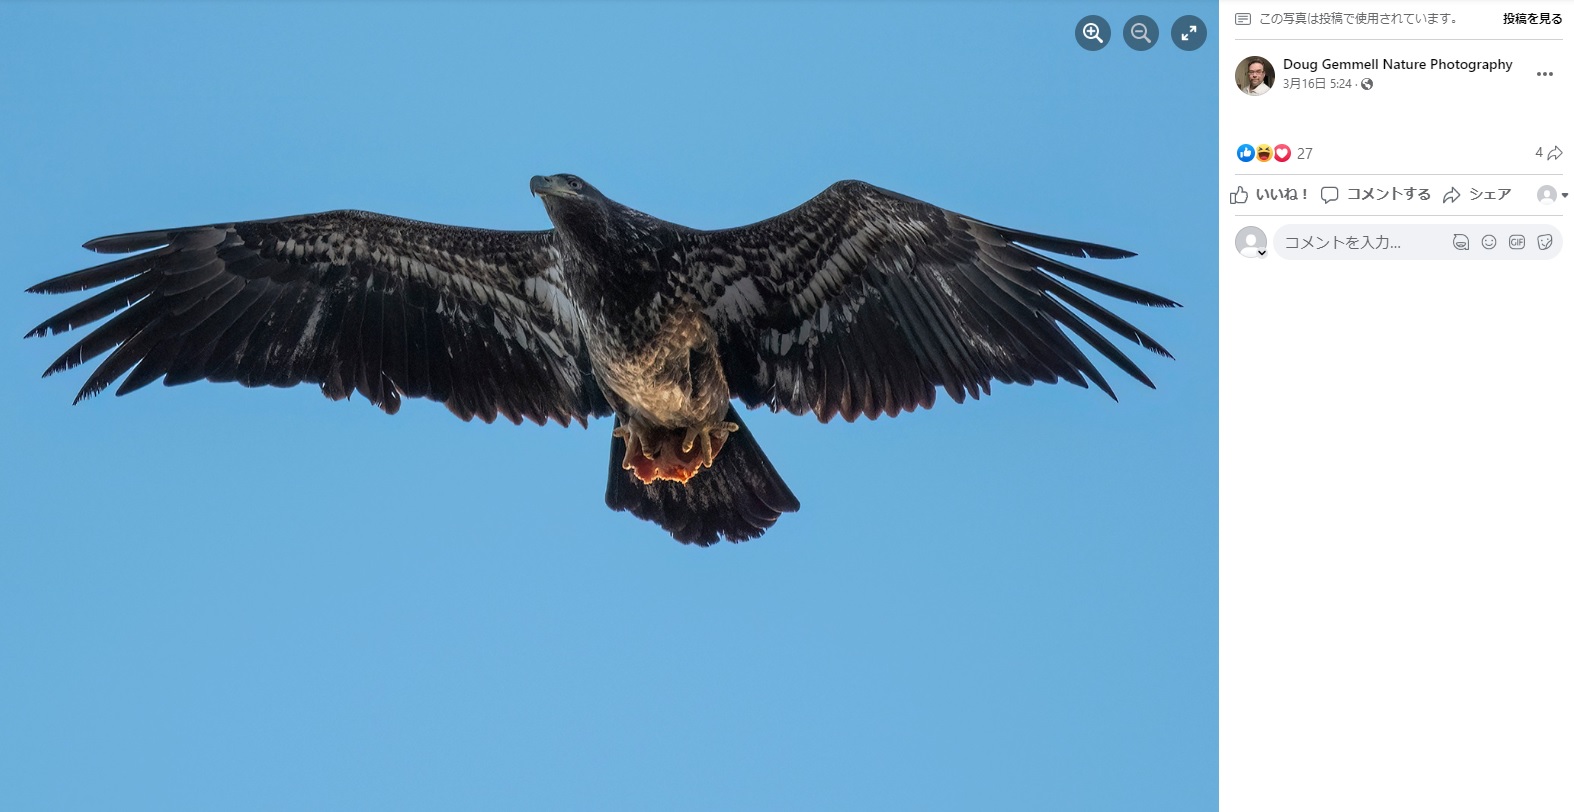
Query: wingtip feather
{"points": [[126, 243]]}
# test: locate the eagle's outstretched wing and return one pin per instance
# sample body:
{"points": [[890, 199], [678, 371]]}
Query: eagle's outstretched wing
{"points": [[863, 301], [351, 301]]}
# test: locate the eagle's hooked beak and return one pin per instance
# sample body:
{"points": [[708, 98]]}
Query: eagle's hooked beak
{"points": [[542, 186]]}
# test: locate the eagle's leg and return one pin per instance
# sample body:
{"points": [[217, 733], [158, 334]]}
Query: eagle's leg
{"points": [[653, 452]]}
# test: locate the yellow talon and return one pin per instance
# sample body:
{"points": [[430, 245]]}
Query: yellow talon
{"points": [[655, 453]]}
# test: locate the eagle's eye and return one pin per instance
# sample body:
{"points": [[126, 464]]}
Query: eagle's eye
{"points": [[576, 184]]}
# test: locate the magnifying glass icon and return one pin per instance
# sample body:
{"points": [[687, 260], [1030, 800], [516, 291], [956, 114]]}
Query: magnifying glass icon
{"points": [[1089, 33], [1140, 31]]}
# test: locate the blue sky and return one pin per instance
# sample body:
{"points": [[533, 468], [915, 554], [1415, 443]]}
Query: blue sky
{"points": [[214, 597]]}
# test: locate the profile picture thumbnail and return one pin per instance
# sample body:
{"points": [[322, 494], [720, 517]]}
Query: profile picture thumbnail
{"points": [[1254, 75]]}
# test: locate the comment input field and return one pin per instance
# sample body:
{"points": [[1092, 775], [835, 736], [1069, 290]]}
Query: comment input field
{"points": [[1440, 241]]}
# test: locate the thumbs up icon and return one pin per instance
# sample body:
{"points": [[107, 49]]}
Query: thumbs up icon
{"points": [[1238, 196]]}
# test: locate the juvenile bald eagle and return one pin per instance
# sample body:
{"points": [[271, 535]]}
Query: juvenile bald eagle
{"points": [[858, 302]]}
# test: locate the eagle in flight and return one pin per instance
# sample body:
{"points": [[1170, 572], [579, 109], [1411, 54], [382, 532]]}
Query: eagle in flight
{"points": [[861, 301]]}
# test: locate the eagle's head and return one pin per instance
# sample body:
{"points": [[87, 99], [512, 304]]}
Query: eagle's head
{"points": [[565, 188], [570, 201], [576, 208]]}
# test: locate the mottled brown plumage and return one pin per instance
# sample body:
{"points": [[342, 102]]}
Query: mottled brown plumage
{"points": [[859, 302]]}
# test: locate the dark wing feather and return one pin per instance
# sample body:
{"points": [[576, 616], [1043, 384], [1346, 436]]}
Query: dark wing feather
{"points": [[351, 301], [864, 301]]}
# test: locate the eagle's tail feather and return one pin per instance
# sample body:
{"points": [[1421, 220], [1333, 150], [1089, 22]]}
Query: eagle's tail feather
{"points": [[738, 498]]}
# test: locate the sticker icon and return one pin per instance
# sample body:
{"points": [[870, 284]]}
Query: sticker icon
{"points": [[1264, 152], [1281, 153], [1544, 241], [1245, 153]]}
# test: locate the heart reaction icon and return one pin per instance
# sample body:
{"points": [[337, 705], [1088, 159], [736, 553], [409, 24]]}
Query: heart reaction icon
{"points": [[1281, 153]]}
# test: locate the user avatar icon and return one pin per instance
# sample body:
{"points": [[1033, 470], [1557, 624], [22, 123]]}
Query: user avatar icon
{"points": [[1254, 75], [1546, 195], [1251, 242]]}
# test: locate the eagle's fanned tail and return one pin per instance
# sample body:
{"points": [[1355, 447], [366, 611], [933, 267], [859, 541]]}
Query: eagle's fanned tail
{"points": [[738, 498]]}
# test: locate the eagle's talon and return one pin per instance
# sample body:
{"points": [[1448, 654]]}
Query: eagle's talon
{"points": [[654, 453]]}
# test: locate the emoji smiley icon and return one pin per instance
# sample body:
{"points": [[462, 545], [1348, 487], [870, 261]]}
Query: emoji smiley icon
{"points": [[1264, 152]]}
